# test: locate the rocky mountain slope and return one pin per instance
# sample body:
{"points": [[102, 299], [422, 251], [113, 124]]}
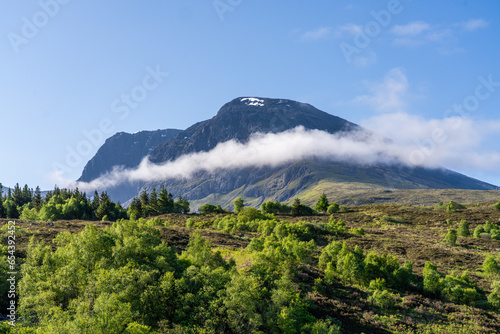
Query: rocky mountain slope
{"points": [[127, 150]]}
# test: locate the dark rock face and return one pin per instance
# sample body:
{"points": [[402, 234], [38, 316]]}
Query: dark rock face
{"points": [[124, 149], [241, 117], [238, 120], [127, 150]]}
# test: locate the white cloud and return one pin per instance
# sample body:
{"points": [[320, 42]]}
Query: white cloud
{"points": [[474, 24], [349, 29], [445, 37], [389, 95], [457, 143], [452, 142], [261, 150], [317, 34], [411, 29]]}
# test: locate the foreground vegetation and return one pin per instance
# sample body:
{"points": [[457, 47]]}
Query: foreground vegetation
{"points": [[367, 269]]}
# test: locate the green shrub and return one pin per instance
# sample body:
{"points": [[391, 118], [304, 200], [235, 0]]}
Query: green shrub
{"points": [[382, 298], [497, 205], [210, 208], [432, 278], [463, 229], [477, 231], [333, 208], [360, 231], [488, 227], [189, 222], [451, 237], [460, 289], [377, 284], [490, 265], [494, 296]]}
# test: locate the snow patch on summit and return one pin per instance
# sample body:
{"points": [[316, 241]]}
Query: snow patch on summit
{"points": [[252, 101]]}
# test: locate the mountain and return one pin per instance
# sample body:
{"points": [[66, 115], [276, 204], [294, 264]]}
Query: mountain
{"points": [[241, 117], [307, 179], [127, 150]]}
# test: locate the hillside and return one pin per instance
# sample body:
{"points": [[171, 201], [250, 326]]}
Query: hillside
{"points": [[247, 268]]}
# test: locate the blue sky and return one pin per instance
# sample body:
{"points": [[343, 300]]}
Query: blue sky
{"points": [[396, 67]]}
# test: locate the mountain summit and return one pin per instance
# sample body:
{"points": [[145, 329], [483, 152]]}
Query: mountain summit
{"points": [[244, 116], [306, 179]]}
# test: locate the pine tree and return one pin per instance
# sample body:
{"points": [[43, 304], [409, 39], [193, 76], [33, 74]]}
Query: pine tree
{"points": [[3, 212], [165, 201], [144, 197], [37, 199], [17, 195], [239, 204], [26, 195], [322, 204], [153, 203], [296, 208], [95, 202], [463, 229]]}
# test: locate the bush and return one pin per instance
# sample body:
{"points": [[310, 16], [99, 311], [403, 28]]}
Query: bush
{"points": [[497, 205], [276, 208], [490, 265], [494, 296], [360, 231], [477, 231], [382, 299], [333, 208], [189, 223], [209, 208], [463, 229], [451, 237], [488, 227]]}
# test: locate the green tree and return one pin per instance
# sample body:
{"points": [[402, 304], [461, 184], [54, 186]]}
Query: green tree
{"points": [[477, 231], [451, 237], [490, 265], [144, 198], [432, 285], [463, 229], [494, 296], [165, 201], [239, 204], [322, 204], [182, 205], [37, 199], [153, 203], [296, 207], [207, 208], [332, 208]]}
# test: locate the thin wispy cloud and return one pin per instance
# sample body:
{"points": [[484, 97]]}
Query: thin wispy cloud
{"points": [[411, 29], [454, 142], [445, 38], [389, 95], [474, 24], [316, 34]]}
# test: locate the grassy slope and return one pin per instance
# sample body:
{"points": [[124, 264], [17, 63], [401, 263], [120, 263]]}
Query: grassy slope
{"points": [[420, 238]]}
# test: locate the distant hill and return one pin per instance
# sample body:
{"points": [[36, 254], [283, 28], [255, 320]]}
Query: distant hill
{"points": [[244, 116]]}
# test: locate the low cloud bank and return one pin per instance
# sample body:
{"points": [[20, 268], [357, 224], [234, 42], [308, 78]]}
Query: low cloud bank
{"points": [[272, 149]]}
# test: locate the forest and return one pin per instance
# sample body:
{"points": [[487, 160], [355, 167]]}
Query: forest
{"points": [[286, 268]]}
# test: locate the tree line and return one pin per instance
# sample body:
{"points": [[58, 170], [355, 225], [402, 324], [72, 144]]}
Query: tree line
{"points": [[28, 204]]}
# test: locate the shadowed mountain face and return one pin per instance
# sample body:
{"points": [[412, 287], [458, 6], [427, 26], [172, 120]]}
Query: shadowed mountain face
{"points": [[237, 120], [127, 150], [241, 117]]}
